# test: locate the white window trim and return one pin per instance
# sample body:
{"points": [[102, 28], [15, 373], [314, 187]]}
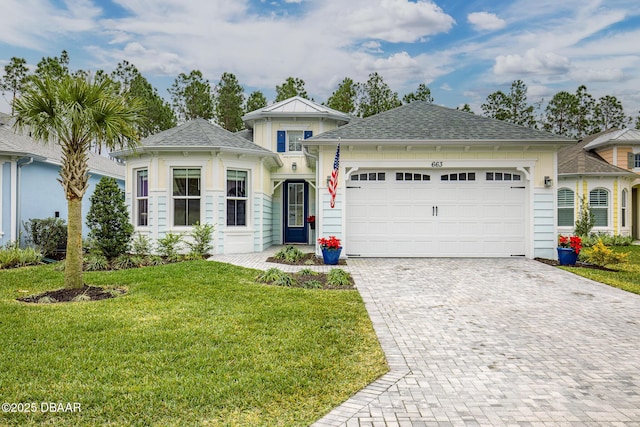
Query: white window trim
{"points": [[135, 198], [247, 198], [572, 207], [608, 207], [171, 215], [624, 205]]}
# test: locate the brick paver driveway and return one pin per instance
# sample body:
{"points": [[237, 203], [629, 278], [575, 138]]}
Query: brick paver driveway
{"points": [[496, 342]]}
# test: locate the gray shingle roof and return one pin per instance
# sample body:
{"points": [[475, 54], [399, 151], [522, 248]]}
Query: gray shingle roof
{"points": [[423, 121], [575, 160], [15, 144], [199, 135]]}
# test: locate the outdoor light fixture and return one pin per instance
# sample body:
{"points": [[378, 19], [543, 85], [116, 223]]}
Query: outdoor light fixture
{"points": [[548, 182], [294, 166]]}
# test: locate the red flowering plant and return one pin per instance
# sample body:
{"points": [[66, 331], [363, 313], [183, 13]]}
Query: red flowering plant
{"points": [[331, 243], [573, 242], [311, 219]]}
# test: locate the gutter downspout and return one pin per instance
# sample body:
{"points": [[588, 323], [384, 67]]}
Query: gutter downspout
{"points": [[23, 161]]}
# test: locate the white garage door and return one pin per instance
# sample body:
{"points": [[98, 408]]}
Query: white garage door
{"points": [[478, 213]]}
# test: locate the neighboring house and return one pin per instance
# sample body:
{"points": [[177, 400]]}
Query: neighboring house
{"points": [[602, 170], [29, 187], [419, 180]]}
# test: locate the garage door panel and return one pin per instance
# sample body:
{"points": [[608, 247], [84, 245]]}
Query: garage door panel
{"points": [[436, 218]]}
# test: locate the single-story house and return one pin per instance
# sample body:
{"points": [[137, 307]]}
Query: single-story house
{"points": [[419, 180], [29, 187], [602, 170]]}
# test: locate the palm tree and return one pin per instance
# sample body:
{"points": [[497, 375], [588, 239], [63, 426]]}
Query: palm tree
{"points": [[74, 113]]}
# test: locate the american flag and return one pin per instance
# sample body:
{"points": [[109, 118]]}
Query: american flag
{"points": [[333, 183]]}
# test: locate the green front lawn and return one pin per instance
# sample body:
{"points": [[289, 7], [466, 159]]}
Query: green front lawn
{"points": [[627, 277], [193, 343]]}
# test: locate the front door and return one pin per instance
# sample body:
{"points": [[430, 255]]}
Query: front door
{"points": [[295, 212]]}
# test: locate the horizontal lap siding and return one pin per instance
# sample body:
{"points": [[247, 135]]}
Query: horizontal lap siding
{"points": [[544, 232]]}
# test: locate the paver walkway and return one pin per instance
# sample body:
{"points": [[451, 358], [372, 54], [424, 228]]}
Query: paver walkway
{"points": [[495, 342]]}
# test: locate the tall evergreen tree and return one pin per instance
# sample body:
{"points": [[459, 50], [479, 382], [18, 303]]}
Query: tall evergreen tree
{"points": [[157, 113], [345, 97], [512, 108], [376, 96], [191, 97], [561, 113], [609, 113], [584, 123], [228, 102], [423, 93], [290, 88], [466, 108], [54, 68], [255, 101], [15, 78]]}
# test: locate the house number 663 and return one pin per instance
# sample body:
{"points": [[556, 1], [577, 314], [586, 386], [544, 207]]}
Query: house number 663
{"points": [[436, 164]]}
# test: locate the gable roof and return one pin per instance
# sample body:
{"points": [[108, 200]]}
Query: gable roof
{"points": [[579, 160], [424, 122], [614, 136], [198, 135], [19, 145], [296, 107]]}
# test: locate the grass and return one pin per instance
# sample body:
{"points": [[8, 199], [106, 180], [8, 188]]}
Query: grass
{"points": [[193, 343], [627, 277]]}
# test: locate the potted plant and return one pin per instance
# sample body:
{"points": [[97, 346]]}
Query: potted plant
{"points": [[330, 249], [311, 220], [568, 249]]}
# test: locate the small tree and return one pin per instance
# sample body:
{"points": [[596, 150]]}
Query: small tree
{"points": [[586, 219], [108, 219], [47, 235]]}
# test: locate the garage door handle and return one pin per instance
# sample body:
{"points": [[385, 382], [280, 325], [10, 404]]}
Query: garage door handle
{"points": [[434, 211]]}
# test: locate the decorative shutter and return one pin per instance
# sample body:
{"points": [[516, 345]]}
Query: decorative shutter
{"points": [[282, 141], [308, 134], [631, 160]]}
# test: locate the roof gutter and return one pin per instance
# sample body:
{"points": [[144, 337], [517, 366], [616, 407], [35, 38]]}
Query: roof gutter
{"points": [[435, 142]]}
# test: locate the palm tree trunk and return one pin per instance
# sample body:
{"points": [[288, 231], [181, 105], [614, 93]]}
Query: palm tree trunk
{"points": [[74, 179], [73, 262]]}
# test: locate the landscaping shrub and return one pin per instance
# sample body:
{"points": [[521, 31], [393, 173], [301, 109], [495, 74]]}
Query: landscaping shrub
{"points": [[141, 245], [607, 239], [169, 246], [46, 234], [289, 254], [95, 261], [308, 272], [202, 236], [108, 219], [601, 255], [276, 277], [12, 256], [586, 219], [338, 277]]}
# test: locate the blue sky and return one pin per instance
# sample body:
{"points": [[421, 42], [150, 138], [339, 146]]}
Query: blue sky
{"points": [[462, 49]]}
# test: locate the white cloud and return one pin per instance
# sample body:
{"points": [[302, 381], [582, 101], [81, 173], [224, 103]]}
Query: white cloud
{"points": [[485, 21], [533, 62]]}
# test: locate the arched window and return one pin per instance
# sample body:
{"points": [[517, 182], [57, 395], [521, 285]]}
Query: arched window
{"points": [[599, 204], [623, 208], [566, 206]]}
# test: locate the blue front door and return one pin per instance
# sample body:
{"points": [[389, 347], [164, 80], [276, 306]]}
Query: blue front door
{"points": [[295, 212]]}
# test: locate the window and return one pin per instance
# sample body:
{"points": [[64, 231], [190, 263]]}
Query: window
{"points": [[636, 161], [599, 204], [294, 140], [142, 197], [411, 176], [462, 176], [291, 140], [369, 176], [566, 206], [186, 196], [500, 176], [295, 208], [623, 208], [236, 198]]}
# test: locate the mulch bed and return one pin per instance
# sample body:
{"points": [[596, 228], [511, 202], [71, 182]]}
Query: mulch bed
{"points": [[86, 293], [578, 264], [308, 259]]}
